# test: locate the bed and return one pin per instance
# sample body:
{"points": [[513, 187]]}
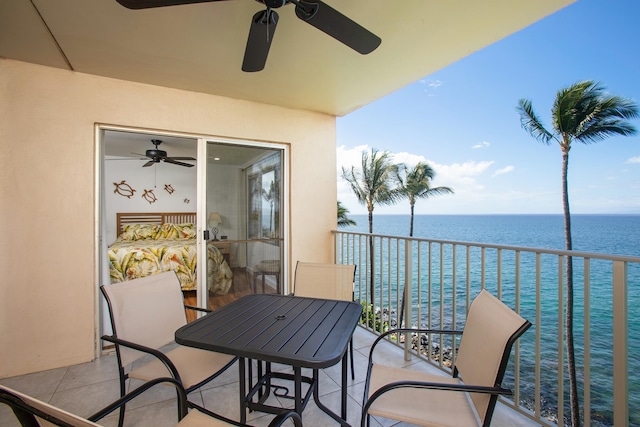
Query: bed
{"points": [[150, 243]]}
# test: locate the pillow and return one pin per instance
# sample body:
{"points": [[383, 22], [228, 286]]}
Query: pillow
{"points": [[176, 231], [134, 232]]}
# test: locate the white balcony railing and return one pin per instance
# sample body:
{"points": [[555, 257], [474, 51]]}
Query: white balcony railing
{"points": [[441, 277]]}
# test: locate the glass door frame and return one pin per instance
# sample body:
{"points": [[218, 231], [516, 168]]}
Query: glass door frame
{"points": [[202, 214]]}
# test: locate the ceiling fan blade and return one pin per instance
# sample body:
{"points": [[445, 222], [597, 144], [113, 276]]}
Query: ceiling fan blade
{"points": [[146, 4], [330, 21], [181, 158], [149, 163], [174, 162], [263, 26]]}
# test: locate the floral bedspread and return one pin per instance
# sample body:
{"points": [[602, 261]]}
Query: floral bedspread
{"points": [[138, 255]]}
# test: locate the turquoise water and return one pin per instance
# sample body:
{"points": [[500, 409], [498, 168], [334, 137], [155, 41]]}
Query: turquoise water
{"points": [[610, 234], [606, 234]]}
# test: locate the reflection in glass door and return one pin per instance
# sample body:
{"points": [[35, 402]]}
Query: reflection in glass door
{"points": [[244, 220]]}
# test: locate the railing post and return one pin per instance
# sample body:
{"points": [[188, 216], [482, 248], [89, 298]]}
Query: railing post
{"points": [[408, 280], [620, 346]]}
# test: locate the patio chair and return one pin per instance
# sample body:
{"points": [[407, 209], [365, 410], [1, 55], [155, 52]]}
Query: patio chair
{"points": [[328, 281], [31, 412], [145, 313], [468, 398]]}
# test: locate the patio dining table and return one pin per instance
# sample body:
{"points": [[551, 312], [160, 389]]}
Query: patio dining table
{"points": [[301, 332]]}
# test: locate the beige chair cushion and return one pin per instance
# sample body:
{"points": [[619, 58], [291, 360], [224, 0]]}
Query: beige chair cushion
{"points": [[490, 324], [146, 311], [195, 418], [63, 415], [420, 406], [194, 365], [329, 281]]}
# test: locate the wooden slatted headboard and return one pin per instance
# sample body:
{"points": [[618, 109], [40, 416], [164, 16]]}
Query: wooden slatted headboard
{"points": [[127, 218]]}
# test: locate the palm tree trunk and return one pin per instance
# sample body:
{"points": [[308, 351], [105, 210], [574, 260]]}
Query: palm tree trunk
{"points": [[571, 361], [372, 287], [401, 308], [411, 221]]}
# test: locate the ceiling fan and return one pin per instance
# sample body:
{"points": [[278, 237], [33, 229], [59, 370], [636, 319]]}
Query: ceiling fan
{"points": [[263, 26], [158, 156]]}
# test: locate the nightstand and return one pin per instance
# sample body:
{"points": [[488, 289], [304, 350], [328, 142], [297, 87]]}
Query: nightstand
{"points": [[224, 248]]}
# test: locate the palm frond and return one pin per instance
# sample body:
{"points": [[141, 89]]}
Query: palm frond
{"points": [[373, 183], [416, 183], [353, 177], [585, 113], [343, 219], [531, 123]]}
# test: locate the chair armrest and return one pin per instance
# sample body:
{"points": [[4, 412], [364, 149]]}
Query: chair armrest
{"points": [[182, 398], [465, 388], [152, 351], [192, 307]]}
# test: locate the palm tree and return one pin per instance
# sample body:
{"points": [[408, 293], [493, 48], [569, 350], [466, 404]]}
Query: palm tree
{"points": [[415, 184], [372, 185], [582, 112], [343, 219], [270, 196]]}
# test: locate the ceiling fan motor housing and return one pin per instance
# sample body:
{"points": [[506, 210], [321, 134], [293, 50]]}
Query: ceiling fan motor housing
{"points": [[154, 153], [274, 4]]}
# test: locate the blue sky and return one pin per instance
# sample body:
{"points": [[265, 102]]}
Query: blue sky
{"points": [[463, 122]]}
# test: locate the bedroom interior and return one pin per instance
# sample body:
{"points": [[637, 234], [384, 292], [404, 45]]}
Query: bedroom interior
{"points": [[150, 220]]}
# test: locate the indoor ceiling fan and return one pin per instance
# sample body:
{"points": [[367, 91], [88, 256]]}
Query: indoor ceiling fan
{"points": [[263, 26], [158, 156]]}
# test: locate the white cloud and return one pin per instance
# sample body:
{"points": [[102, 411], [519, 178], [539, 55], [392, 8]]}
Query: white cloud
{"points": [[633, 160], [504, 170], [463, 177], [483, 144], [430, 85]]}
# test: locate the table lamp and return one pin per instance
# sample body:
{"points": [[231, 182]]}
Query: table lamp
{"points": [[214, 221]]}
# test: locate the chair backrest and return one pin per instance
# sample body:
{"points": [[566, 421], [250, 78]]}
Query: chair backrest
{"points": [[489, 333], [145, 311], [329, 281], [33, 412]]}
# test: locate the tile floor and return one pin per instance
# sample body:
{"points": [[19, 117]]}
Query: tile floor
{"points": [[86, 388]]}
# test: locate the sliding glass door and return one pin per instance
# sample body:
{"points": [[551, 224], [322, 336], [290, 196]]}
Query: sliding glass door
{"points": [[244, 215]]}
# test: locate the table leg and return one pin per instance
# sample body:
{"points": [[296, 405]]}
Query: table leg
{"points": [[297, 383], [343, 410], [243, 393]]}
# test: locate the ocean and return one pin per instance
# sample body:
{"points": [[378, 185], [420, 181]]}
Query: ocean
{"points": [[604, 234], [608, 234]]}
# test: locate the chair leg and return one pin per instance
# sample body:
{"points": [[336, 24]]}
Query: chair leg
{"points": [[123, 407], [353, 375]]}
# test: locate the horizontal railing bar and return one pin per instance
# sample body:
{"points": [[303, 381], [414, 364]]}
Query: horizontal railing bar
{"points": [[573, 253]]}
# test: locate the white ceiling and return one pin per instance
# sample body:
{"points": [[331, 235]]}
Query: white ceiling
{"points": [[199, 47], [132, 145]]}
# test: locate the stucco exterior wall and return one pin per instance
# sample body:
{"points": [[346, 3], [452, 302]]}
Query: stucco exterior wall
{"points": [[48, 292]]}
